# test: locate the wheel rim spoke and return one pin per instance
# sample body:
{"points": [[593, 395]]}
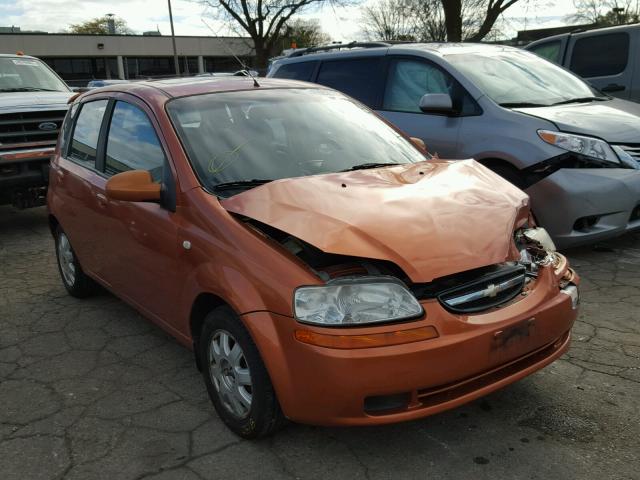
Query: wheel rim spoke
{"points": [[243, 376], [230, 373]]}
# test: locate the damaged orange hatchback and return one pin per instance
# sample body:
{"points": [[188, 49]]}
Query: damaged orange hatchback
{"points": [[323, 267]]}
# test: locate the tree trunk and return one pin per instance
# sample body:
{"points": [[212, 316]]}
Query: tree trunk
{"points": [[263, 54], [453, 19]]}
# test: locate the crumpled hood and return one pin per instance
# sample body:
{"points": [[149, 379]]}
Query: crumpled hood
{"points": [[616, 121], [19, 101], [432, 218]]}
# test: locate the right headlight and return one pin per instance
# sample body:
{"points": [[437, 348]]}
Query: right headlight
{"points": [[355, 302], [587, 146]]}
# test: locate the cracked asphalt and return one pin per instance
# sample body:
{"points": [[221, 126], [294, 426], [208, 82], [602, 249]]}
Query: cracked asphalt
{"points": [[91, 390]]}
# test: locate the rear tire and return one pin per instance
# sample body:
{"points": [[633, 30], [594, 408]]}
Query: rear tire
{"points": [[236, 378], [77, 283]]}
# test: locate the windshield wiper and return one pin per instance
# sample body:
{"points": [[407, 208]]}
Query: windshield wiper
{"points": [[581, 100], [240, 184], [522, 104], [364, 166], [28, 89]]}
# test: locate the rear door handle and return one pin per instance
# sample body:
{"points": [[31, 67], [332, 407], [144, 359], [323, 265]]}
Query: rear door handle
{"points": [[613, 87], [102, 199]]}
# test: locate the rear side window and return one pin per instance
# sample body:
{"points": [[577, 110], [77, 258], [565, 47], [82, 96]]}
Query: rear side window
{"points": [[66, 127], [548, 50], [132, 143], [600, 55], [296, 71], [86, 132], [359, 78]]}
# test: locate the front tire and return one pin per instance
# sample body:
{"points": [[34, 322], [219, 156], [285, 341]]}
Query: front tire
{"points": [[77, 283], [236, 378]]}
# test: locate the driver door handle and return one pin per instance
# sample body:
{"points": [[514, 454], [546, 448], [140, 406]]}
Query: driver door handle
{"points": [[613, 87]]}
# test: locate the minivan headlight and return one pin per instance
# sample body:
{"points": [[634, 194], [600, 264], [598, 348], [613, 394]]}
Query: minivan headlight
{"points": [[355, 302], [587, 146]]}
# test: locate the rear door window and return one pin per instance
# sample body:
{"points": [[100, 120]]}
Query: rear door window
{"points": [[600, 55], [132, 143], [84, 142], [360, 78], [296, 71], [548, 50]]}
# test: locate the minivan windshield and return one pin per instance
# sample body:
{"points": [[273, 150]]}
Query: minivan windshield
{"points": [[24, 74], [522, 79], [242, 139]]}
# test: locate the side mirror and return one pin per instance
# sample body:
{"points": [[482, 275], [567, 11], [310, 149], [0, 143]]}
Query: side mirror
{"points": [[436, 103], [418, 142], [133, 186]]}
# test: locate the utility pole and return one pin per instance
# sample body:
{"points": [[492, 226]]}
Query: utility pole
{"points": [[173, 39]]}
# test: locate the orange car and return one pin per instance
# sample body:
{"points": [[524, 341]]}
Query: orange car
{"points": [[323, 267]]}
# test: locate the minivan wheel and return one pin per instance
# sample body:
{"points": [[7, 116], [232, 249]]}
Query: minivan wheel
{"points": [[236, 378], [77, 283]]}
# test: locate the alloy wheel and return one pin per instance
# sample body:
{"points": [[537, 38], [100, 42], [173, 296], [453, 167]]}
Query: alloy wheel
{"points": [[230, 373]]}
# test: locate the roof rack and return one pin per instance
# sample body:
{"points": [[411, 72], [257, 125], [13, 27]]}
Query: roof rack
{"points": [[337, 46]]}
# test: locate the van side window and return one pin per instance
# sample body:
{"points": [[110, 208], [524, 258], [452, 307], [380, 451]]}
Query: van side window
{"points": [[408, 80], [296, 71], [132, 143], [360, 78], [548, 50], [86, 132], [600, 55]]}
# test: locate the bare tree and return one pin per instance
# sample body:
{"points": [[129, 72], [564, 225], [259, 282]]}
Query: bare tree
{"points": [[264, 20], [606, 12], [493, 9], [390, 20], [433, 20]]}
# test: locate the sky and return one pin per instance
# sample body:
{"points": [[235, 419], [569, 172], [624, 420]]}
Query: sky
{"points": [[342, 24]]}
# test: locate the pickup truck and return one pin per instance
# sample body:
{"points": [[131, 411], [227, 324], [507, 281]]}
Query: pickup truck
{"points": [[33, 104], [607, 58]]}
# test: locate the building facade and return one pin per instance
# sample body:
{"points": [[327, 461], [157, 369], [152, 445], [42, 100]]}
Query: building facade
{"points": [[81, 58]]}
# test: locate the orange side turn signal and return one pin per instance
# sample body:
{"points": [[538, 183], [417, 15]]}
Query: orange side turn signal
{"points": [[366, 341]]}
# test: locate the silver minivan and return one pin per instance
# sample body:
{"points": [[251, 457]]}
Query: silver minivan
{"points": [[573, 149]]}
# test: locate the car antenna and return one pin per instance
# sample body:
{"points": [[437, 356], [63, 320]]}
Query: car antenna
{"points": [[242, 64]]}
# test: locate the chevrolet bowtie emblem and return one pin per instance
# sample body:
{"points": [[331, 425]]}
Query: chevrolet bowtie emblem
{"points": [[491, 291]]}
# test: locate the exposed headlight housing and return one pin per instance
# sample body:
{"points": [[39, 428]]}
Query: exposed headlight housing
{"points": [[345, 302], [588, 146], [541, 236]]}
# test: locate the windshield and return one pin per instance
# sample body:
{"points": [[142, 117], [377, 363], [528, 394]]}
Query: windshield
{"points": [[28, 74], [513, 78], [275, 134]]}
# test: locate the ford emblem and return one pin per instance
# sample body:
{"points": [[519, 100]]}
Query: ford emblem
{"points": [[47, 126]]}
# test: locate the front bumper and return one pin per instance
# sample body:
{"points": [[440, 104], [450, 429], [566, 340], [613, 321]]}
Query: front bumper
{"points": [[473, 356], [25, 167], [580, 206]]}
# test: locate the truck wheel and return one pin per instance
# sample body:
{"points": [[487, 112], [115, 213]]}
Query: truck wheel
{"points": [[77, 283], [236, 378]]}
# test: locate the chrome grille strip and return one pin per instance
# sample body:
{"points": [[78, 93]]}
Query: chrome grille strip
{"points": [[491, 291]]}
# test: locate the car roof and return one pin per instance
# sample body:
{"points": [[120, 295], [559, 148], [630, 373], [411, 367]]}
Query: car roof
{"points": [[15, 55], [439, 49], [188, 86]]}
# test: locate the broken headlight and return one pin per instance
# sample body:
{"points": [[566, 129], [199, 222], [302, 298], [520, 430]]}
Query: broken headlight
{"points": [[355, 302]]}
